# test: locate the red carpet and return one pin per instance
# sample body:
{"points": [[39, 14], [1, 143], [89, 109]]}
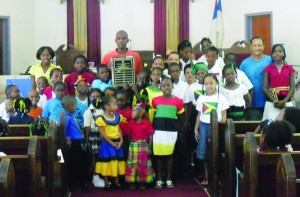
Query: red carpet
{"points": [[182, 189]]}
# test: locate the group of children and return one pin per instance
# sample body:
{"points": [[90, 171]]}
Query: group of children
{"points": [[165, 114]]}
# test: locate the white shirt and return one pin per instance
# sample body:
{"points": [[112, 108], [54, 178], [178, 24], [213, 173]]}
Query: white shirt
{"points": [[179, 89], [219, 61], [2, 109], [183, 64], [191, 95], [235, 97], [206, 103], [217, 71], [42, 102], [88, 116]]}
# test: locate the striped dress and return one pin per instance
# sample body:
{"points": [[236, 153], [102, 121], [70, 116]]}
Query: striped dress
{"points": [[166, 124], [151, 93]]}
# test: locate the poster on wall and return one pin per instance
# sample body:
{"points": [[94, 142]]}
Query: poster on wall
{"points": [[23, 84]]}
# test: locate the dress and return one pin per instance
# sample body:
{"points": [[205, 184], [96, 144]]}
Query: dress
{"points": [[166, 124], [279, 84], [52, 110], [151, 93], [254, 71], [115, 54], [72, 78], [89, 117], [37, 71], [139, 167], [236, 102], [97, 83], [111, 160]]}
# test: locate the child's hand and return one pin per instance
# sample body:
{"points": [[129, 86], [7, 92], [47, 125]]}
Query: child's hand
{"points": [[279, 104], [118, 144], [126, 86], [197, 136], [68, 141]]}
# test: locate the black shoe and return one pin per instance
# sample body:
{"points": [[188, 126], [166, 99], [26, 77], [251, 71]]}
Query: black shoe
{"points": [[86, 188]]}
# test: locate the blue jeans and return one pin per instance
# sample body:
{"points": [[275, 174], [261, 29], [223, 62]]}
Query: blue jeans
{"points": [[204, 133]]}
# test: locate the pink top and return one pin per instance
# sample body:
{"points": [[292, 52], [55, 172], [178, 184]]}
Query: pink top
{"points": [[140, 130], [279, 79], [127, 114], [115, 54], [72, 78], [50, 95]]}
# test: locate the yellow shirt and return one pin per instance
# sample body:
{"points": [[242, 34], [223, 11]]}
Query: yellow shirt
{"points": [[112, 131], [37, 71]]}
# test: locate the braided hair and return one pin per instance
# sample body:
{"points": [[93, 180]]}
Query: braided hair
{"points": [[22, 105]]}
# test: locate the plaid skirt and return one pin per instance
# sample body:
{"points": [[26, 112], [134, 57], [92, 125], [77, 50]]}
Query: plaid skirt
{"points": [[139, 166], [94, 141]]}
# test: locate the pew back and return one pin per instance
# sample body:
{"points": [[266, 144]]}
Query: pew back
{"points": [[7, 178]]}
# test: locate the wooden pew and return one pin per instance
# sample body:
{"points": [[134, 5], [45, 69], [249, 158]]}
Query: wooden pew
{"points": [[249, 183], [50, 165], [7, 178], [286, 177], [29, 163], [216, 157], [18, 130]]}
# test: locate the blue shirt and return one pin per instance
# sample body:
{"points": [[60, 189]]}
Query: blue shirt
{"points": [[52, 109], [254, 71], [97, 83], [72, 128], [20, 118], [81, 108]]}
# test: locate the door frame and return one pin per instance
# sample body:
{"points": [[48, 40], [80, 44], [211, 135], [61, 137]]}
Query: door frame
{"points": [[6, 45], [248, 23]]}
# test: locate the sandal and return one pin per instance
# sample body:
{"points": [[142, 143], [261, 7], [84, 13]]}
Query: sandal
{"points": [[159, 184], [170, 184]]}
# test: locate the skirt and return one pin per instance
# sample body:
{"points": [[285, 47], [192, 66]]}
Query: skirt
{"points": [[94, 141], [139, 166], [271, 112], [164, 142], [111, 161]]}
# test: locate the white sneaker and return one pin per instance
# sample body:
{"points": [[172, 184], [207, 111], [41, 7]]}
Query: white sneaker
{"points": [[98, 182], [96, 177]]}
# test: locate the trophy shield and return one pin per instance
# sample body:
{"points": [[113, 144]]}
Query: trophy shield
{"points": [[123, 71]]}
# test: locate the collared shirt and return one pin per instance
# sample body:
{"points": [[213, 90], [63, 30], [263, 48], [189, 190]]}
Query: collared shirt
{"points": [[101, 85], [115, 54], [37, 71], [73, 131], [72, 78]]}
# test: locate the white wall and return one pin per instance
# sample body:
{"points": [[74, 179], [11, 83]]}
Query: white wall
{"points": [[134, 16], [34, 23]]}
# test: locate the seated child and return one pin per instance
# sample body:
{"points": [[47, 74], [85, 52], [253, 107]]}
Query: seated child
{"points": [[41, 85], [276, 136], [21, 106], [34, 111], [139, 167], [55, 76], [78, 168], [4, 128], [80, 65], [11, 91], [9, 107], [103, 80]]}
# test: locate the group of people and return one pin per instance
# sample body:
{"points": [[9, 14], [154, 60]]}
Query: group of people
{"points": [[115, 130]]}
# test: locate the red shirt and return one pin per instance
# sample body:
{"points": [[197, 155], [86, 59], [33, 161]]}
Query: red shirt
{"points": [[48, 92], [72, 78], [140, 130], [127, 115], [115, 54], [279, 79]]}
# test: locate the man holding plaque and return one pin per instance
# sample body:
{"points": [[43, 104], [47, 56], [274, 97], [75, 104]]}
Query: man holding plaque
{"points": [[122, 51]]}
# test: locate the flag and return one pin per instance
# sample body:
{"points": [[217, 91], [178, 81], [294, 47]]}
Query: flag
{"points": [[217, 33]]}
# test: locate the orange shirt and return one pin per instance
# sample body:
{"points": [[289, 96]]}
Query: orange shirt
{"points": [[36, 112]]}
